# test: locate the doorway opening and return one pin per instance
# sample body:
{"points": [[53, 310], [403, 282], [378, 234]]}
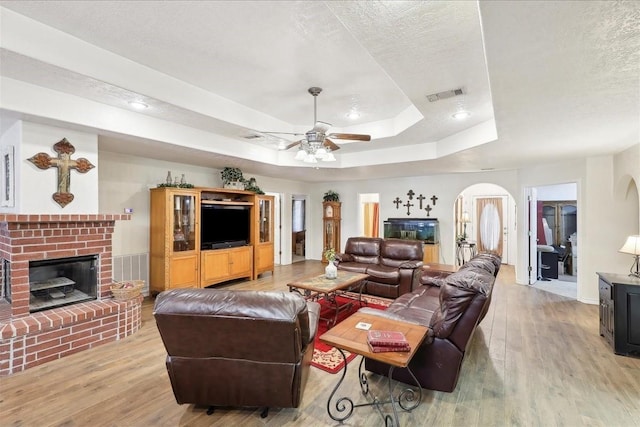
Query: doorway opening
{"points": [[369, 217], [298, 227], [556, 239], [484, 221]]}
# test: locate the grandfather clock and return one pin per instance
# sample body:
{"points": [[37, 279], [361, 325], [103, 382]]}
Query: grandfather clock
{"points": [[330, 227]]}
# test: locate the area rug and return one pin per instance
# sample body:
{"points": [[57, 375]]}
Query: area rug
{"points": [[326, 357]]}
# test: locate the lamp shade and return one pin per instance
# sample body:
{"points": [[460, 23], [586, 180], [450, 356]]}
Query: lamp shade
{"points": [[465, 217], [631, 246]]}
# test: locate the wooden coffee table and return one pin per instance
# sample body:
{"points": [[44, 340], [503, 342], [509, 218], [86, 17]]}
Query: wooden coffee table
{"points": [[317, 287], [345, 336]]}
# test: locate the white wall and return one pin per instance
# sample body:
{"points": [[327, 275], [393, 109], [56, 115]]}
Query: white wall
{"points": [[35, 187], [558, 192]]}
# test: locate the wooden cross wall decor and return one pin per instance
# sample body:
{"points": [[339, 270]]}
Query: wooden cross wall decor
{"points": [[428, 209], [408, 205], [420, 198], [64, 163], [398, 202]]}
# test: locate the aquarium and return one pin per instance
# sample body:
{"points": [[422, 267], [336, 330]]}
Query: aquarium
{"points": [[424, 229]]}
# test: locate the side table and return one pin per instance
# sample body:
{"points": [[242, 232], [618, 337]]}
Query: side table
{"points": [[345, 336]]}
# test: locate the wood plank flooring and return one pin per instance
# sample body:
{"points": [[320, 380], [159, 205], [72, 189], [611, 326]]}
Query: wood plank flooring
{"points": [[536, 360]]}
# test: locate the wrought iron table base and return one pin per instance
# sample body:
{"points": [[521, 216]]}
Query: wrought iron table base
{"points": [[344, 406]]}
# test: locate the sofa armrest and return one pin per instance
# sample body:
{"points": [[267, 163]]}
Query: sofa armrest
{"points": [[344, 257], [411, 264], [314, 317]]}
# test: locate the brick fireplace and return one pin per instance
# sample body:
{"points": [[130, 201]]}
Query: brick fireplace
{"points": [[30, 339]]}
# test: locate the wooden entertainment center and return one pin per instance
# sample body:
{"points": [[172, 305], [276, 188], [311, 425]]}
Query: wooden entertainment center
{"points": [[179, 255]]}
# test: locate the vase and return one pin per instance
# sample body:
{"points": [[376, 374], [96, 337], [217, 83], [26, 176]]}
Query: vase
{"points": [[331, 271]]}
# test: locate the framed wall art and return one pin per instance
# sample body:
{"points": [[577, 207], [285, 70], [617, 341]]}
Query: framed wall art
{"points": [[7, 172]]}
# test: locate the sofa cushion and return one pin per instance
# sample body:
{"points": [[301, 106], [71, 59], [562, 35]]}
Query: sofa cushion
{"points": [[365, 250], [383, 274], [354, 266], [396, 252]]}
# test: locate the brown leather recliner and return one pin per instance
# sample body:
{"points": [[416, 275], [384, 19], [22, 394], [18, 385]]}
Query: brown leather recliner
{"points": [[237, 348], [393, 265]]}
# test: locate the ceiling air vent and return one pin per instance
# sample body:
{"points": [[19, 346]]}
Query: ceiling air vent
{"points": [[252, 136], [444, 95]]}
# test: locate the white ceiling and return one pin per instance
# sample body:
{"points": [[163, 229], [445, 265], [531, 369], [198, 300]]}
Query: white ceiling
{"points": [[544, 81]]}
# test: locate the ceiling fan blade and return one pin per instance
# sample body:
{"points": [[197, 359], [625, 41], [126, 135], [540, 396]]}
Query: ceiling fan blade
{"points": [[332, 145], [293, 144], [321, 127], [281, 133], [351, 136]]}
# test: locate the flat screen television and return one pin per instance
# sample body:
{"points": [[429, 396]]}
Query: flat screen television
{"points": [[223, 226]]}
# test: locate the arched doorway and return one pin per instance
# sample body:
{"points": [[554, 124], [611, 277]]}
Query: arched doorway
{"points": [[485, 221]]}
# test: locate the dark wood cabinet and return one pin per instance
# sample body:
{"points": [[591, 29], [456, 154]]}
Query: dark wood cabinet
{"points": [[620, 312]]}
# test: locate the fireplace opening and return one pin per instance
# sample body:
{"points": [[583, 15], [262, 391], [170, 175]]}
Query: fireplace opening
{"points": [[62, 281]]}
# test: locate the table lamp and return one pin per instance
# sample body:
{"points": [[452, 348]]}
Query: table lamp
{"points": [[632, 246], [465, 219]]}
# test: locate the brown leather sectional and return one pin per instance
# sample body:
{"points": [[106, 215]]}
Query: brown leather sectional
{"points": [[237, 348], [393, 265], [452, 306]]}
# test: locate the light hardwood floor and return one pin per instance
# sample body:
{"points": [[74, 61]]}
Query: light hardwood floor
{"points": [[536, 360]]}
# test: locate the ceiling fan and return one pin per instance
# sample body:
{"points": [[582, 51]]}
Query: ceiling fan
{"points": [[316, 142]]}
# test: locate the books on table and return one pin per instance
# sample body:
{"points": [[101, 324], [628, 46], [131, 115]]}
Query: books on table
{"points": [[382, 341]]}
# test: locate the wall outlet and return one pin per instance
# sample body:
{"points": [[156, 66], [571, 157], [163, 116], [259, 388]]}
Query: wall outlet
{"points": [[128, 210]]}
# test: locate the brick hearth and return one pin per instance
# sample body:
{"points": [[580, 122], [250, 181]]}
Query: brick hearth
{"points": [[28, 340]]}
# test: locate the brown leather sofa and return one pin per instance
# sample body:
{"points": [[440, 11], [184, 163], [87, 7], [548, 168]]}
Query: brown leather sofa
{"points": [[393, 265], [237, 348], [452, 306]]}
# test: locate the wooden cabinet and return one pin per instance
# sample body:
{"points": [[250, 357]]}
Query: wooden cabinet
{"points": [[620, 312], [220, 265], [178, 223], [330, 227], [174, 240], [431, 253], [263, 235]]}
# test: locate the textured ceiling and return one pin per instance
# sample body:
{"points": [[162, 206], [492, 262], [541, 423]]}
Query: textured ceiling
{"points": [[555, 80]]}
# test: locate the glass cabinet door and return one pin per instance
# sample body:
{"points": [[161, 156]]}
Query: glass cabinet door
{"points": [[265, 220], [184, 218]]}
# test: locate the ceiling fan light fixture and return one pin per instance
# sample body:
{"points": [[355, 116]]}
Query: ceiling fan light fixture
{"points": [[301, 154], [321, 153], [310, 158], [329, 157]]}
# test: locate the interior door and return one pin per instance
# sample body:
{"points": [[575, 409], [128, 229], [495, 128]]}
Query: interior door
{"points": [[492, 225]]}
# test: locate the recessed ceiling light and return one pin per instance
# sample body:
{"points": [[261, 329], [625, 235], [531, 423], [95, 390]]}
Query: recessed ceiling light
{"points": [[138, 105], [461, 115], [353, 114]]}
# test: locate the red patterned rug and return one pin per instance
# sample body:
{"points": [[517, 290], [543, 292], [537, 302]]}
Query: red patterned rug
{"points": [[329, 358]]}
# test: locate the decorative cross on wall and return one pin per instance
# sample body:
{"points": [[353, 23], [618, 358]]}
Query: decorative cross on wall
{"points": [[428, 209], [408, 205], [433, 199], [420, 198], [64, 163], [410, 194], [397, 201]]}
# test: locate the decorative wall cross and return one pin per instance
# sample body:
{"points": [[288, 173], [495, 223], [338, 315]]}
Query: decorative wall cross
{"points": [[420, 198], [410, 194], [64, 163], [397, 201], [428, 209], [433, 199], [408, 205]]}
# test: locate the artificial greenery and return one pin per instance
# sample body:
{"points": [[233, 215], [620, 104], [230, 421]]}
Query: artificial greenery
{"points": [[251, 185], [331, 196], [330, 255], [229, 174], [184, 185]]}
